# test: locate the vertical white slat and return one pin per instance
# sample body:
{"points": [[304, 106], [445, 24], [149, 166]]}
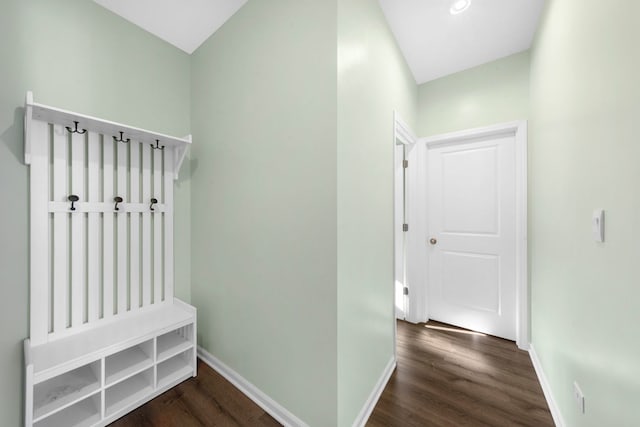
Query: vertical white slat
{"points": [[60, 230], [157, 228], [39, 244], [146, 226], [134, 236], [168, 223], [77, 232], [121, 218], [108, 279], [93, 228]]}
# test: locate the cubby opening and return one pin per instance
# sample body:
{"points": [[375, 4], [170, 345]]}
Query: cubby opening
{"points": [[81, 414], [128, 392], [128, 362], [175, 368], [174, 342], [59, 392]]}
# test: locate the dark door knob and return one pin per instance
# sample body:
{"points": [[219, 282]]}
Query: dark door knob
{"points": [[433, 241]]}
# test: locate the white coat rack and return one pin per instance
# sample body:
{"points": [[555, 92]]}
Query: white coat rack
{"points": [[106, 333]]}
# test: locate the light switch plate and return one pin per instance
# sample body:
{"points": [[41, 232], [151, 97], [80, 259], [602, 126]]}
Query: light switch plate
{"points": [[597, 225]]}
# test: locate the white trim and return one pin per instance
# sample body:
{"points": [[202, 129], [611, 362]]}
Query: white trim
{"points": [[371, 402], [519, 129], [273, 408], [402, 132], [415, 306], [475, 133], [523, 336], [28, 380], [546, 388], [403, 136], [28, 112], [399, 260], [416, 276]]}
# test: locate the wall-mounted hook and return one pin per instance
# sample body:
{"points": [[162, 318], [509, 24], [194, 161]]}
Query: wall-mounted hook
{"points": [[153, 202], [73, 199], [117, 199], [157, 147], [83, 131], [126, 141]]}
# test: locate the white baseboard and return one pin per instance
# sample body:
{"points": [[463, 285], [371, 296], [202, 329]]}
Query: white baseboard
{"points": [[273, 408], [546, 388], [370, 404]]}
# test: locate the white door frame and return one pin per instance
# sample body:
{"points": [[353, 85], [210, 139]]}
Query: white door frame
{"points": [[407, 208], [417, 245], [404, 139]]}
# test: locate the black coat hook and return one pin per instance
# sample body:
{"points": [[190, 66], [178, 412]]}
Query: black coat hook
{"points": [[153, 202], [126, 141], [83, 131], [73, 199], [117, 199], [157, 147]]}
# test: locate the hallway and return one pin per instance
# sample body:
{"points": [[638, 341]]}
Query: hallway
{"points": [[448, 376]]}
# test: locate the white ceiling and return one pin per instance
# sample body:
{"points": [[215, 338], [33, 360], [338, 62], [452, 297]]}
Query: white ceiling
{"points": [[436, 43], [185, 24]]}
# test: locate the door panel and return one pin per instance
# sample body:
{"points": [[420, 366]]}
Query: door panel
{"points": [[471, 216], [462, 195], [460, 269]]}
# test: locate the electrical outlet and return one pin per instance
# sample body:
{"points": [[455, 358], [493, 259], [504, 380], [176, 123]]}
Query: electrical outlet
{"points": [[578, 397]]}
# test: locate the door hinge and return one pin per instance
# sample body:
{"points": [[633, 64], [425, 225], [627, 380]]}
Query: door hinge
{"points": [[405, 291], [405, 227], [405, 164]]}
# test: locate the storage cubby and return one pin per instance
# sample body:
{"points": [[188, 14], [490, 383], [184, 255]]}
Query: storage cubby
{"points": [[175, 368], [64, 390], [83, 413], [174, 342], [128, 392], [128, 362], [117, 375]]}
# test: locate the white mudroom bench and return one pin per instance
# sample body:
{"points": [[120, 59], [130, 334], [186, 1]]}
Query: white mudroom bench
{"points": [[106, 332]]}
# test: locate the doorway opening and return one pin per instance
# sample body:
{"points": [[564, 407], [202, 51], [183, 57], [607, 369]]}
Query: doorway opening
{"points": [[461, 229]]}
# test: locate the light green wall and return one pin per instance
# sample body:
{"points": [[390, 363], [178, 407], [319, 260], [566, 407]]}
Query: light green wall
{"points": [[492, 93], [74, 55], [373, 80], [584, 151], [264, 201], [294, 178]]}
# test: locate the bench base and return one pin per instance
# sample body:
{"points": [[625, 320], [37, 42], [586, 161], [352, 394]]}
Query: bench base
{"points": [[94, 377]]}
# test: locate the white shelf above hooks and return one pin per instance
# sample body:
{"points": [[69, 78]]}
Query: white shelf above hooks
{"points": [[48, 114]]}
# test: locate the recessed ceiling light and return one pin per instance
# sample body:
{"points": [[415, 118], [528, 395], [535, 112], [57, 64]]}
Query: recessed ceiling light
{"points": [[459, 6]]}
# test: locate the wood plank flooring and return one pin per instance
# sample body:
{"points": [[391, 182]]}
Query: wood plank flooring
{"points": [[446, 376], [207, 400]]}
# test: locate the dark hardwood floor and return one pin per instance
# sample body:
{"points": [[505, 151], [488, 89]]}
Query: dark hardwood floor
{"points": [[207, 400], [446, 376]]}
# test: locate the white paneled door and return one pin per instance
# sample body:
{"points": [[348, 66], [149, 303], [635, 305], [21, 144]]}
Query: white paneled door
{"points": [[471, 240]]}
